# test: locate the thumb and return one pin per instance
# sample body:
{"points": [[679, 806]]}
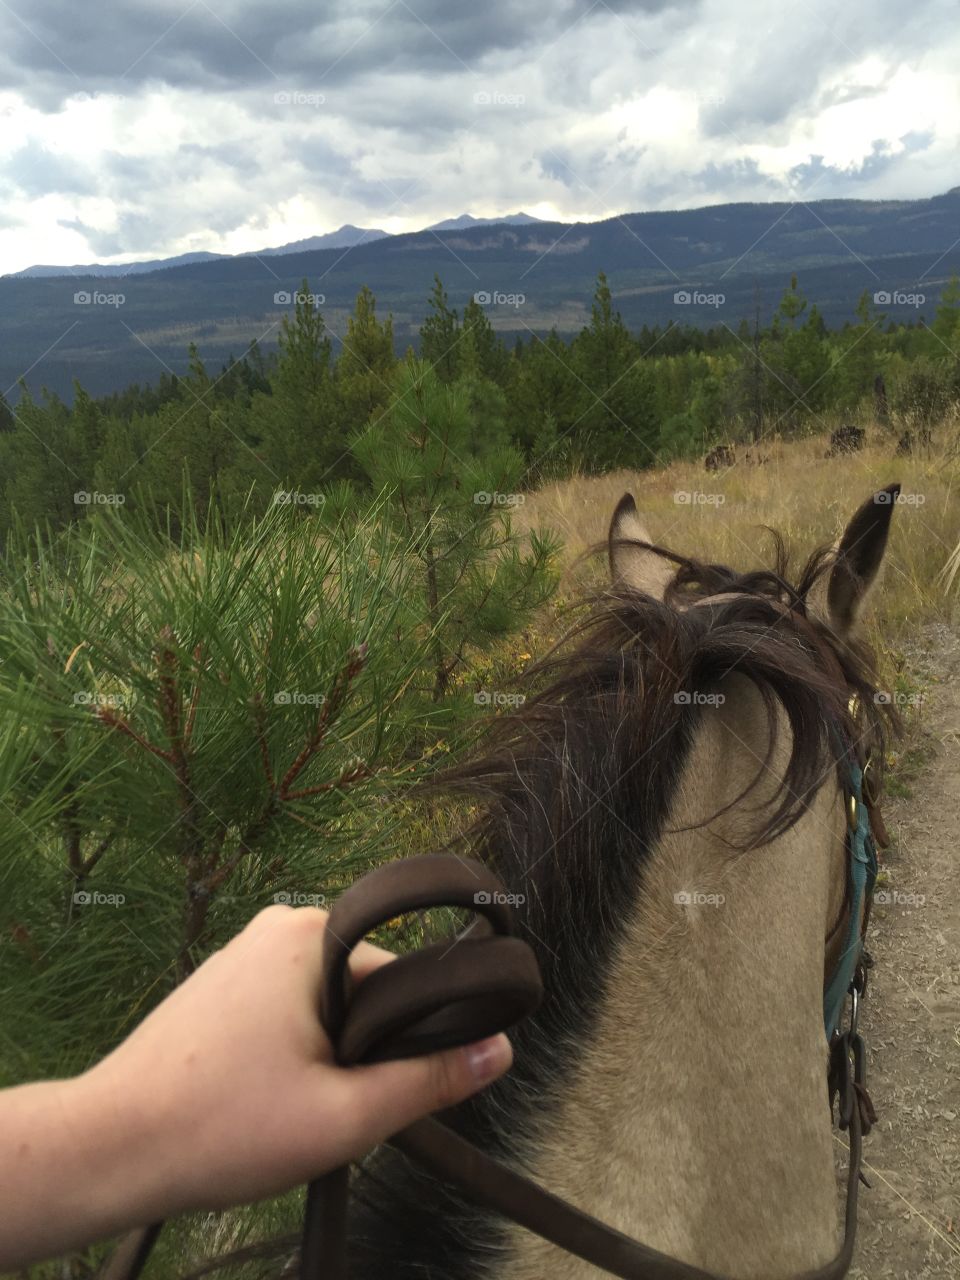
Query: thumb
{"points": [[388, 1096]]}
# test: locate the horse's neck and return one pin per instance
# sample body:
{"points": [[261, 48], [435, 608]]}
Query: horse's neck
{"points": [[696, 1120]]}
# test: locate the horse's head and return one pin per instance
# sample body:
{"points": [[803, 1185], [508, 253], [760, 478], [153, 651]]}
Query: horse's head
{"points": [[668, 808], [812, 624]]}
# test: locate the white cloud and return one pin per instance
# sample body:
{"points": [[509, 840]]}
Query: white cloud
{"points": [[652, 108]]}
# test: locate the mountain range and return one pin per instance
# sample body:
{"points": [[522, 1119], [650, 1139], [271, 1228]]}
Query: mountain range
{"points": [[345, 237], [702, 267]]}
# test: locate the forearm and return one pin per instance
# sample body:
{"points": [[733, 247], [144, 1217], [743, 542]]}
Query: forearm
{"points": [[76, 1165]]}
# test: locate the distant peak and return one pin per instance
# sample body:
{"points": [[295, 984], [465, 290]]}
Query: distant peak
{"points": [[468, 220]]}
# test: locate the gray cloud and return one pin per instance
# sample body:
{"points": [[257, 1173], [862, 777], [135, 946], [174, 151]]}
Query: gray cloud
{"points": [[52, 50], [420, 109]]}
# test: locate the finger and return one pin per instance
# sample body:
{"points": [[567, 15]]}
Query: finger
{"points": [[384, 1098], [366, 957]]}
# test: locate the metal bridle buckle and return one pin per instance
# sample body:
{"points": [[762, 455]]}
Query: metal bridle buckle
{"points": [[848, 1067]]}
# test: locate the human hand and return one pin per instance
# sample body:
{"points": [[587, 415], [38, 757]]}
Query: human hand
{"points": [[227, 1092]]}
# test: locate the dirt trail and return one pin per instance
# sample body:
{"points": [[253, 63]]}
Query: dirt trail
{"points": [[910, 1220]]}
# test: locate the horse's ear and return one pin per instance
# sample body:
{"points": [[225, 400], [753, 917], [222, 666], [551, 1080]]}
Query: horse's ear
{"points": [[858, 558], [635, 565]]}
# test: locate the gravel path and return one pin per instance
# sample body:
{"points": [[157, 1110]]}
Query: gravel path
{"points": [[910, 1220]]}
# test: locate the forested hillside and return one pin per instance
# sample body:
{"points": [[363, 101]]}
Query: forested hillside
{"points": [[725, 262], [321, 421]]}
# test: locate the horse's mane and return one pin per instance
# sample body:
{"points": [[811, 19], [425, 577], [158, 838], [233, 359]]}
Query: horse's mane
{"points": [[573, 790], [613, 687]]}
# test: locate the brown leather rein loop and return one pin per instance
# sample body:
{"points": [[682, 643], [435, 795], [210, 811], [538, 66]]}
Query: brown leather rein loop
{"points": [[456, 992]]}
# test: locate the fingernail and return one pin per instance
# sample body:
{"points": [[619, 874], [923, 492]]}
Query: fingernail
{"points": [[488, 1059]]}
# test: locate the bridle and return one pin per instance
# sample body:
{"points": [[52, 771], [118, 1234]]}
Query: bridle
{"points": [[445, 995]]}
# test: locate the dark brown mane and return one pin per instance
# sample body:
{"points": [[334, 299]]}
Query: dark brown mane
{"points": [[616, 673]]}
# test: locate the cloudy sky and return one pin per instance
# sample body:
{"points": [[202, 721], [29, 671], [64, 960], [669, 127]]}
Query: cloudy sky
{"points": [[144, 128]]}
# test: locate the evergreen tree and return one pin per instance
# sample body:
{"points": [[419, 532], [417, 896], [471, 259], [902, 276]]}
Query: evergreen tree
{"points": [[946, 324], [366, 363], [492, 359], [191, 444], [38, 466], [543, 393], [120, 462], [6, 414], [447, 491], [797, 360], [858, 357], [439, 334], [86, 434], [296, 434], [616, 423]]}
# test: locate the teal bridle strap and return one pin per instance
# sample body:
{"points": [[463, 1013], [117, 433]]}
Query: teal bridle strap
{"points": [[862, 855]]}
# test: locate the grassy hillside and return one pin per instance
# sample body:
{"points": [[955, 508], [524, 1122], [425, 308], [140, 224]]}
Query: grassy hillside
{"points": [[797, 490]]}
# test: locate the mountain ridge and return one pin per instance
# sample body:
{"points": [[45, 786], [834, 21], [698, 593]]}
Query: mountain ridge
{"points": [[698, 267], [345, 237]]}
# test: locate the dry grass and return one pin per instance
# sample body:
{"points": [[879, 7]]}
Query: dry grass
{"points": [[798, 491]]}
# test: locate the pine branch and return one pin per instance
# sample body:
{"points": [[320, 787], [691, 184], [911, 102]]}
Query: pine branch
{"points": [[192, 713], [361, 770], [331, 708], [113, 721]]}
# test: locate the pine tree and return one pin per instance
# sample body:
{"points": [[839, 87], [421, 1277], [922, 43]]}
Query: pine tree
{"points": [[439, 335], [191, 444], [797, 360], [447, 489], [38, 466], [946, 324], [86, 435], [183, 727], [858, 357], [491, 357], [6, 415], [543, 388], [617, 420], [295, 435], [366, 363]]}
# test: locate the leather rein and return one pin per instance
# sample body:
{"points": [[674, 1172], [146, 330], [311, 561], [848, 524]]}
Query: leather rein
{"points": [[449, 994]]}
